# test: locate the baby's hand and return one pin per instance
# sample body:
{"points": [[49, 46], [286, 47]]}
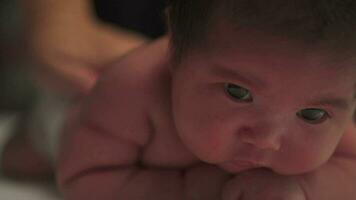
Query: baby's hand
{"points": [[262, 184]]}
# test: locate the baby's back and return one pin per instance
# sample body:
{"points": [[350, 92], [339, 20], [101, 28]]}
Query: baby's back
{"points": [[127, 119]]}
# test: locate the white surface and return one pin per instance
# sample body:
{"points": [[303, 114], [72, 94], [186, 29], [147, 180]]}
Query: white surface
{"points": [[17, 190], [7, 123]]}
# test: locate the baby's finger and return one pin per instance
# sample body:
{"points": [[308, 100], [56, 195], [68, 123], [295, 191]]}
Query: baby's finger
{"points": [[232, 190]]}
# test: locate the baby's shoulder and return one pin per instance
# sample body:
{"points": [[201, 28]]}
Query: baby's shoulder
{"points": [[126, 91], [139, 75]]}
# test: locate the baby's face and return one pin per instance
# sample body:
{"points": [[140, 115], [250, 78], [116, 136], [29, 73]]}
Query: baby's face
{"points": [[256, 101]]}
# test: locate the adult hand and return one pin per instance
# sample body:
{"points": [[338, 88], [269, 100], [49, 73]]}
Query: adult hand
{"points": [[262, 184], [69, 53]]}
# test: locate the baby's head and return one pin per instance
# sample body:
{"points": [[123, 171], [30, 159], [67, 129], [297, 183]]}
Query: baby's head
{"points": [[263, 83]]}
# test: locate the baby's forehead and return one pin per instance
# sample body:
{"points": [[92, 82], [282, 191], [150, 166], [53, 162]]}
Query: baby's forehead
{"points": [[224, 34], [251, 48], [262, 46]]}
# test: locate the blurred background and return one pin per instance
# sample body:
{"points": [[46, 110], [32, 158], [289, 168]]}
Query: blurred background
{"points": [[17, 96], [54, 50]]}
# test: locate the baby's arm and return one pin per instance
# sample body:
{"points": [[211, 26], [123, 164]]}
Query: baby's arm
{"points": [[336, 179], [100, 157]]}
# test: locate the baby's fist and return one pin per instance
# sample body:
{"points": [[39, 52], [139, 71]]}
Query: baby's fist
{"points": [[262, 184]]}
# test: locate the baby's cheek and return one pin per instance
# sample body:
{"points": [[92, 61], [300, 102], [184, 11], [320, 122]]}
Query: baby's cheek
{"points": [[207, 149], [303, 155], [290, 163], [207, 141]]}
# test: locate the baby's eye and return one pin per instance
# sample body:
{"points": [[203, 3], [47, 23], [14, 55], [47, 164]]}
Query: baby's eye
{"points": [[238, 93], [313, 115]]}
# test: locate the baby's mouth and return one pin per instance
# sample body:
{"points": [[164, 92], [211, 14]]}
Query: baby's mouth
{"points": [[237, 166]]}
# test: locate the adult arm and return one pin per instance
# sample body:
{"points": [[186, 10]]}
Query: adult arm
{"points": [[69, 45]]}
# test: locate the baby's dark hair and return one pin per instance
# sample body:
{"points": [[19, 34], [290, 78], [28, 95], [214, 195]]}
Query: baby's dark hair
{"points": [[328, 22]]}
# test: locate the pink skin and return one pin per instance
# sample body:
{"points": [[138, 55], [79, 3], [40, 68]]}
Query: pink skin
{"points": [[283, 78], [129, 119]]}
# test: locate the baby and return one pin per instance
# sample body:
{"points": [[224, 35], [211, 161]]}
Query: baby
{"points": [[243, 100]]}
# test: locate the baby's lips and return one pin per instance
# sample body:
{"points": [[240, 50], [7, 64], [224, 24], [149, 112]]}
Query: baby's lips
{"points": [[237, 166]]}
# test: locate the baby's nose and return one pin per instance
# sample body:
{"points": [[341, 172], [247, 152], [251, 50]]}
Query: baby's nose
{"points": [[260, 138]]}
